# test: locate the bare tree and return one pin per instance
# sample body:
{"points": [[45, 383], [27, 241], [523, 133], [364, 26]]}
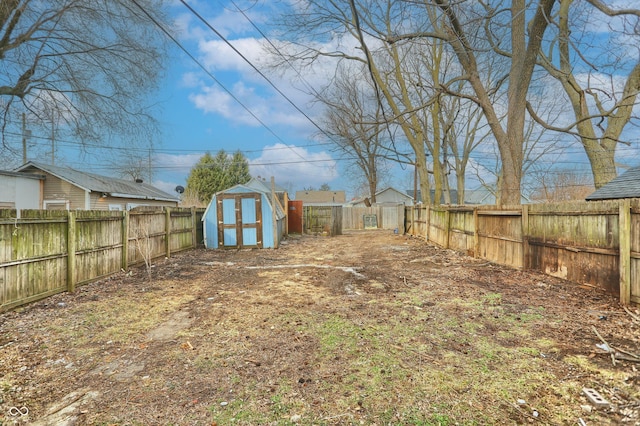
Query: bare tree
{"points": [[560, 185], [602, 107], [394, 29], [463, 130], [88, 64], [353, 117]]}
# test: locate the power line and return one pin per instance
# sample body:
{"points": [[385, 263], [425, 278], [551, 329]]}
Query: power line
{"points": [[256, 69], [174, 40], [159, 150]]}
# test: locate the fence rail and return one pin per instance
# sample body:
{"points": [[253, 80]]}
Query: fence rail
{"points": [[47, 252], [595, 243]]}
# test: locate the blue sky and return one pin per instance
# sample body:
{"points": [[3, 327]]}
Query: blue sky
{"points": [[199, 115]]}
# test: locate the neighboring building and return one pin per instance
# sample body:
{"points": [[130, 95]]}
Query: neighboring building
{"points": [[386, 196], [243, 217], [478, 196], [21, 191], [418, 198], [627, 185], [68, 189], [321, 197]]}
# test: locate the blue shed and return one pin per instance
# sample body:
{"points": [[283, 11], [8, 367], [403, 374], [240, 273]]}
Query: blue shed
{"points": [[243, 217]]}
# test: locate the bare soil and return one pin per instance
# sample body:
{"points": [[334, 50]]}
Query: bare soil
{"points": [[365, 328]]}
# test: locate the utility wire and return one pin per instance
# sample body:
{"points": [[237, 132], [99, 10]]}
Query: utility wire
{"points": [[174, 40], [204, 21], [46, 140], [275, 48]]}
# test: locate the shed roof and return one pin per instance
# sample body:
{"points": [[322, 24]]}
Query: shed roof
{"points": [[264, 186], [240, 188], [91, 182], [627, 185]]}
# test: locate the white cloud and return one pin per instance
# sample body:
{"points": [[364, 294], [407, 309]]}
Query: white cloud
{"points": [[270, 110], [168, 187], [218, 55], [190, 80], [294, 166], [182, 163]]}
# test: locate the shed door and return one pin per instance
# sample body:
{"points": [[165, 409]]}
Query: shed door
{"points": [[239, 220]]}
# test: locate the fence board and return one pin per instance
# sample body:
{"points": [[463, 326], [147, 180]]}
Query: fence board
{"points": [[388, 216], [578, 241], [634, 281], [36, 251]]}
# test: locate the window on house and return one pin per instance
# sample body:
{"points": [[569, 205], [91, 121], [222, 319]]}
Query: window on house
{"points": [[56, 205]]}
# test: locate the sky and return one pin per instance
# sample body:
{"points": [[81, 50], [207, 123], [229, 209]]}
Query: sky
{"points": [[200, 115], [279, 140], [232, 106]]}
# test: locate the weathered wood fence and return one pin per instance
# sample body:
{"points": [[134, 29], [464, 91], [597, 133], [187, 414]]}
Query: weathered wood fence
{"points": [[387, 217], [595, 243], [331, 220], [47, 252], [325, 220]]}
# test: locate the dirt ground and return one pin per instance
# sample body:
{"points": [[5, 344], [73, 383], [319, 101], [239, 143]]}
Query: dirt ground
{"points": [[365, 328]]}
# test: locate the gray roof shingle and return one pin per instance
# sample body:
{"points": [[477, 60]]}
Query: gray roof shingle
{"points": [[97, 183], [627, 185]]}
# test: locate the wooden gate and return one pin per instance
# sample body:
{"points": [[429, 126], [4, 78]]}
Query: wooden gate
{"points": [[239, 220]]}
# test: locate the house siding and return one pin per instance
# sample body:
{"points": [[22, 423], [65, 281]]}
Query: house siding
{"points": [[97, 202], [55, 189]]}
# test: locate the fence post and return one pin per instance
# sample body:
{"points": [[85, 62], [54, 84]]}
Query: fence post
{"points": [[428, 220], [476, 233], [125, 240], [274, 214], [413, 220], [194, 227], [167, 231], [624, 228], [526, 261], [71, 251], [447, 227]]}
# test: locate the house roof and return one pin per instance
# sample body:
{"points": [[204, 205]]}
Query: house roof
{"points": [[389, 189], [322, 197], [91, 182], [20, 175], [627, 185], [479, 196]]}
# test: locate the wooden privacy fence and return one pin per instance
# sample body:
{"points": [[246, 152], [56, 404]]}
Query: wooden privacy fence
{"points": [[325, 220], [331, 220], [386, 217], [47, 252], [595, 243]]}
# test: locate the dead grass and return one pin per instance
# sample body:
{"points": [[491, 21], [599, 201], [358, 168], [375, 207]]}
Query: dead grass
{"points": [[422, 337]]}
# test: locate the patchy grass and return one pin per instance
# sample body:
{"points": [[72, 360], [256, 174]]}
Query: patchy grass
{"points": [[443, 345]]}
